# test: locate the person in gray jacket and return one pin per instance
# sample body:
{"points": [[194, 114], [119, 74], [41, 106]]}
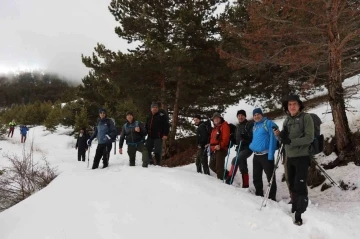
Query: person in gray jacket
{"points": [[105, 132], [134, 133]]}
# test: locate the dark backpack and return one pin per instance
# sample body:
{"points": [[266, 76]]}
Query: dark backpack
{"points": [[318, 144], [232, 140], [112, 138], [208, 126], [163, 112]]}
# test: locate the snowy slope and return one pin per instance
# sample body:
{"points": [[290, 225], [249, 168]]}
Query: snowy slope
{"points": [[124, 202]]}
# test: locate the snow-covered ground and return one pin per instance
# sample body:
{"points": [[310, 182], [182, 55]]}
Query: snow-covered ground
{"points": [[134, 202]]}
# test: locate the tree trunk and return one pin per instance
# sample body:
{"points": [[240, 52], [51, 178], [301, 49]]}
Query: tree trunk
{"points": [[175, 113], [163, 93], [335, 88]]}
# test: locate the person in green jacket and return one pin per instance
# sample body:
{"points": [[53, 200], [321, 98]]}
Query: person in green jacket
{"points": [[12, 125], [297, 144]]}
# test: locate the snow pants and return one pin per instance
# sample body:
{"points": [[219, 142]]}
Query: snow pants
{"points": [[217, 162], [11, 131], [132, 149], [297, 168], [102, 151], [155, 144], [202, 160], [81, 154], [260, 164]]}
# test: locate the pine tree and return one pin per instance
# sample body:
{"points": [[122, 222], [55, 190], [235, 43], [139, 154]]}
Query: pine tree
{"points": [[53, 119], [81, 120]]}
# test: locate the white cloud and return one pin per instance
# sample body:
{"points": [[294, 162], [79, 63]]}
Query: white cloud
{"points": [[52, 35]]}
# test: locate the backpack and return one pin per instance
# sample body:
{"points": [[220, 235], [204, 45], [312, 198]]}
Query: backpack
{"points": [[232, 140], [163, 112], [208, 126], [318, 144], [113, 120]]}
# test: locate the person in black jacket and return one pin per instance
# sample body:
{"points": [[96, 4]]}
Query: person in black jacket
{"points": [[81, 145], [157, 126], [243, 136], [134, 133], [203, 140]]}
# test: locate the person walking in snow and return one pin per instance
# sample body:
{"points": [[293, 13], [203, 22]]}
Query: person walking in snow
{"points": [[263, 145], [105, 131], [298, 152], [81, 144], [23, 132], [134, 133], [243, 136], [219, 143], [203, 139], [12, 125], [157, 126]]}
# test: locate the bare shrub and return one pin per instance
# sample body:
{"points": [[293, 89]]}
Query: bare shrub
{"points": [[23, 177]]}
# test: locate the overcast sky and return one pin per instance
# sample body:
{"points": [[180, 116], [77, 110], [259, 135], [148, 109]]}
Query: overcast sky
{"points": [[52, 34]]}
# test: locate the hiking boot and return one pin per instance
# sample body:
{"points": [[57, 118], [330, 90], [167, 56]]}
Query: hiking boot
{"points": [[151, 162], [245, 178], [298, 221]]}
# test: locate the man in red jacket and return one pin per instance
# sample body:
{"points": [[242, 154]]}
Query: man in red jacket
{"points": [[219, 143]]}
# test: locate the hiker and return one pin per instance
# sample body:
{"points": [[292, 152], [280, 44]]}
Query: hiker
{"points": [[12, 125], [134, 133], [243, 136], [157, 127], [105, 131], [298, 152], [23, 133], [203, 139], [81, 145], [263, 145], [219, 143]]}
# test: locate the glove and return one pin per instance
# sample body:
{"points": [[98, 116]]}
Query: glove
{"points": [[285, 136], [89, 142]]}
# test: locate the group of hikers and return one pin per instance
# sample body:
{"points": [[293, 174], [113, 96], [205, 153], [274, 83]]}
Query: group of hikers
{"points": [[23, 130], [260, 136]]}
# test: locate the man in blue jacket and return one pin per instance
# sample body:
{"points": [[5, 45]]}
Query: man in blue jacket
{"points": [[105, 131], [263, 145]]}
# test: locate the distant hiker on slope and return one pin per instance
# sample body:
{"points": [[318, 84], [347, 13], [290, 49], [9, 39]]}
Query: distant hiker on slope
{"points": [[81, 144], [134, 133], [12, 125], [298, 152], [105, 131], [23, 133], [243, 136], [157, 126], [203, 132], [219, 144], [263, 145]]}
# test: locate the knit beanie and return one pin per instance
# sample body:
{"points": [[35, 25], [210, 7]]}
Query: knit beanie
{"points": [[257, 111], [241, 112]]}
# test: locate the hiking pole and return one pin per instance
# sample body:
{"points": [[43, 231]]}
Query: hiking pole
{"points": [[235, 167], [227, 159], [114, 147], [326, 174], [88, 156], [263, 204]]}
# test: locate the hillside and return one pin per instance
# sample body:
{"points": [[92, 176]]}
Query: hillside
{"points": [[158, 202]]}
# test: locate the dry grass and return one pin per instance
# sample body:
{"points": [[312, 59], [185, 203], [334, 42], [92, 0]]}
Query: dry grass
{"points": [[23, 178]]}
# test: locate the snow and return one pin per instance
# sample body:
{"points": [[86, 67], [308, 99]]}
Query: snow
{"points": [[157, 202]]}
